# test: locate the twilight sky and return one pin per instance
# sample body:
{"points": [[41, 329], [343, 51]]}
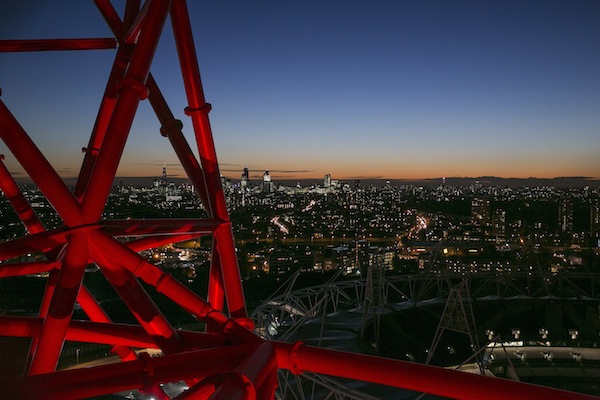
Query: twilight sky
{"points": [[358, 89]]}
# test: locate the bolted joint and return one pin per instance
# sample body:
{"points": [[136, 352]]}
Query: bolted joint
{"points": [[174, 127], [205, 109], [90, 150], [130, 83]]}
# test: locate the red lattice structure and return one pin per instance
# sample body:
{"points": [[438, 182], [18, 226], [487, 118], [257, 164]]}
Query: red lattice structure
{"points": [[227, 361]]}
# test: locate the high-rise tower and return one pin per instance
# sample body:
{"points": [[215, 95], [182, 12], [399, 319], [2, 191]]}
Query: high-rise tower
{"points": [[480, 211], [565, 215], [245, 178], [267, 183]]}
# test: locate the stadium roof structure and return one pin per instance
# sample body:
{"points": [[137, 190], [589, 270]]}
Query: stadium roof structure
{"points": [[227, 361]]}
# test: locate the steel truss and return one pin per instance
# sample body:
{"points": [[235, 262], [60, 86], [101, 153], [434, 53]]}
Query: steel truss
{"points": [[229, 360]]}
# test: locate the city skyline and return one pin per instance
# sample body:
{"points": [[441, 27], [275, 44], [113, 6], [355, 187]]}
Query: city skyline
{"points": [[396, 90]]}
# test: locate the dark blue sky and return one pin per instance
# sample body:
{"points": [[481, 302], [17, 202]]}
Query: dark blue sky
{"points": [[391, 89]]}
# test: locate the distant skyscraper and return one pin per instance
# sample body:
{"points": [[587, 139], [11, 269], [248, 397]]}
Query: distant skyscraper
{"points": [[500, 222], [480, 211], [162, 186], [267, 183], [595, 222], [245, 178], [565, 215], [327, 181]]}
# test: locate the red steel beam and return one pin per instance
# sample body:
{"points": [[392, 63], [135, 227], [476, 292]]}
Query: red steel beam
{"points": [[105, 333], [198, 111], [38, 168], [94, 311], [133, 90], [143, 308], [80, 331], [26, 268], [43, 242], [43, 311], [57, 44], [112, 18], [198, 108], [105, 112], [107, 379], [216, 288], [56, 323], [171, 129], [136, 298], [142, 227], [135, 27], [153, 242], [18, 202], [230, 272], [108, 103], [170, 287], [299, 358]]}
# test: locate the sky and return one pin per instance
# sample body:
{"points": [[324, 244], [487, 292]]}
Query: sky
{"points": [[356, 89]]}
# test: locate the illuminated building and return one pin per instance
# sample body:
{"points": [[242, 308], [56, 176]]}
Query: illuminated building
{"points": [[267, 184], [480, 211], [565, 214]]}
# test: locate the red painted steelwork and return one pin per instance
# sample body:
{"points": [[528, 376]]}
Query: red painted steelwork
{"points": [[299, 358], [133, 90], [105, 379], [234, 363], [57, 44], [18, 202], [56, 323], [26, 268], [145, 227], [38, 168], [39, 242]]}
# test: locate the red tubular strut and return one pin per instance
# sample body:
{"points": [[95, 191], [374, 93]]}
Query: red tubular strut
{"points": [[198, 111], [299, 358], [64, 296], [18, 201], [57, 44], [38, 168], [133, 90]]}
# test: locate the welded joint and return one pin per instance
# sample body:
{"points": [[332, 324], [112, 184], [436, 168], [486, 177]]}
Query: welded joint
{"points": [[219, 319], [144, 270], [130, 83], [293, 358], [204, 109], [174, 127], [225, 324], [236, 379]]}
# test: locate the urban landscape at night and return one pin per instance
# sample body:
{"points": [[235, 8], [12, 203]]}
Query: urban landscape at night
{"points": [[321, 227], [353, 232]]}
